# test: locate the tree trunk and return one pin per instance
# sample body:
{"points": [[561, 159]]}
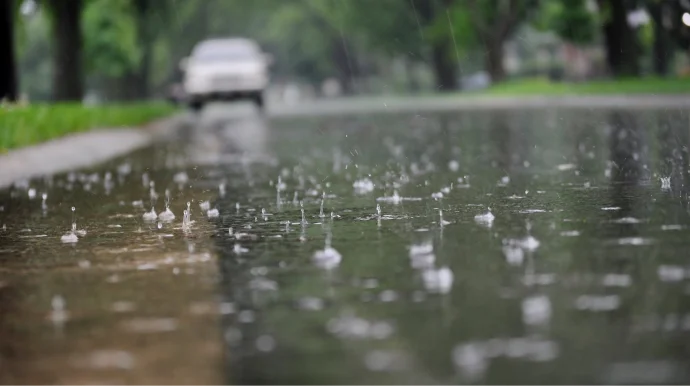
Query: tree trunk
{"points": [[662, 40], [345, 64], [411, 75], [622, 49], [145, 38], [8, 69], [445, 71], [67, 75], [494, 62]]}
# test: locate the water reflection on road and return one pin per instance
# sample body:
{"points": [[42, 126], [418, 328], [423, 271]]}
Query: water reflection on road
{"points": [[580, 276]]}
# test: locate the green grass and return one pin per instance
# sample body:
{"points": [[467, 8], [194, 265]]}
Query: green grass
{"points": [[27, 125], [541, 86]]}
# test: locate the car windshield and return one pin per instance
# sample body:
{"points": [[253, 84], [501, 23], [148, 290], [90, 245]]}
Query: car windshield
{"points": [[220, 52]]}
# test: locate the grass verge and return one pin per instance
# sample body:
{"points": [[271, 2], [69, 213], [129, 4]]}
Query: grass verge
{"points": [[27, 125], [540, 86]]}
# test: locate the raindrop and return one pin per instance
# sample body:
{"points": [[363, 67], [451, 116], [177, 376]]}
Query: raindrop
{"points": [[58, 313], [536, 310], [304, 219], [327, 258], [265, 343], [187, 217], [150, 216], [280, 186], [441, 221], [323, 199], [239, 249], [363, 186], [470, 358], [486, 219], [438, 280], [71, 237], [167, 215], [514, 255]]}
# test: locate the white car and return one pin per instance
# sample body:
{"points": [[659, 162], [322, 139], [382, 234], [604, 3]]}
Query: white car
{"points": [[225, 70]]}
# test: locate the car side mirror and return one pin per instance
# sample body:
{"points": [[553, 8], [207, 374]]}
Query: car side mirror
{"points": [[184, 62]]}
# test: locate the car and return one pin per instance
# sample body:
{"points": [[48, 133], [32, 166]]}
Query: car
{"points": [[225, 70]]}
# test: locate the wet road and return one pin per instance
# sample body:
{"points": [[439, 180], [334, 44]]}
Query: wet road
{"points": [[470, 247]]}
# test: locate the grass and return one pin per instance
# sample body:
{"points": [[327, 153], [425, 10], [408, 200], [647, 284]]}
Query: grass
{"points": [[27, 125], [540, 86]]}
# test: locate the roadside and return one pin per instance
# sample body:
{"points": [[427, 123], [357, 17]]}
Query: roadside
{"points": [[523, 93], [80, 149], [543, 86], [24, 125], [78, 145], [477, 101]]}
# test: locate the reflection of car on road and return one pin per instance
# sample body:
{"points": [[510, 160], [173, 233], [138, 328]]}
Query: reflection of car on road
{"points": [[224, 70]]}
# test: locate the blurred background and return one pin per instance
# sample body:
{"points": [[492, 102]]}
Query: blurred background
{"points": [[121, 50], [582, 278]]}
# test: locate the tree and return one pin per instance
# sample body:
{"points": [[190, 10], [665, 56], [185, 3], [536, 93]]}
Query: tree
{"points": [[622, 46], [659, 10], [569, 19], [111, 47], [495, 21], [8, 71], [673, 22], [68, 74], [445, 68], [152, 19]]}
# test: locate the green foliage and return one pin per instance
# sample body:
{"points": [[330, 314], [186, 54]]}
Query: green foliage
{"points": [[33, 61], [301, 38], [388, 26], [303, 35], [111, 38], [621, 86], [455, 24], [570, 19], [25, 125]]}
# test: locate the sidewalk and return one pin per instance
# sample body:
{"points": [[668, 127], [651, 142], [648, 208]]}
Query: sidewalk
{"points": [[78, 150]]}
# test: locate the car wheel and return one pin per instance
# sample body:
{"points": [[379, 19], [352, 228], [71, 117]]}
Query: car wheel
{"points": [[196, 106], [258, 99]]}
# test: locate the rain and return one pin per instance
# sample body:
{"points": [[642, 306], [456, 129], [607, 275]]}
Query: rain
{"points": [[329, 230]]}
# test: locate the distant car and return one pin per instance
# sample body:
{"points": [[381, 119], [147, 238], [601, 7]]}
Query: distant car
{"points": [[225, 70]]}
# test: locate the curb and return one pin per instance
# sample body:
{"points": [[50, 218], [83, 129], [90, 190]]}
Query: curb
{"points": [[345, 106], [81, 150]]}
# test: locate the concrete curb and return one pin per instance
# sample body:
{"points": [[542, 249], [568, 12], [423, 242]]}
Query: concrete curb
{"points": [[396, 104], [81, 150]]}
